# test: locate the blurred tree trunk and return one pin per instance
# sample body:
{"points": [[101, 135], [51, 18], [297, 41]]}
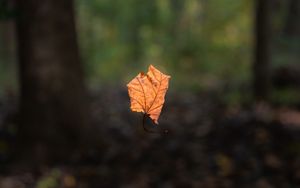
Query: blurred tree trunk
{"points": [[261, 65], [7, 32], [53, 107], [292, 27], [7, 41]]}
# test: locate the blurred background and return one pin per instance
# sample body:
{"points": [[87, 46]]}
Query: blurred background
{"points": [[232, 109]]}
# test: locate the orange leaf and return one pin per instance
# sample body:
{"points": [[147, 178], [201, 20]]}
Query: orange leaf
{"points": [[147, 92]]}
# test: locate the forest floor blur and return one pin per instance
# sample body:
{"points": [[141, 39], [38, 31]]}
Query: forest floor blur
{"points": [[209, 145]]}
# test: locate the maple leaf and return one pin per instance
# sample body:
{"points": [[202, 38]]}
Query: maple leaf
{"points": [[147, 92]]}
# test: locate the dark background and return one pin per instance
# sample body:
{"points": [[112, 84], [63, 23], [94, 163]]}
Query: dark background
{"points": [[232, 109]]}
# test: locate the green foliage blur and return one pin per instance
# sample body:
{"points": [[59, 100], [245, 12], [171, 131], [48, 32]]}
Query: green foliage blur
{"points": [[200, 43]]}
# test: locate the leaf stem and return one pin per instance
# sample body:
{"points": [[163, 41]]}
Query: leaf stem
{"points": [[164, 131]]}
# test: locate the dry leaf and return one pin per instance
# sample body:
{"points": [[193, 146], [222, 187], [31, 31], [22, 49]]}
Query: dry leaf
{"points": [[147, 92]]}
